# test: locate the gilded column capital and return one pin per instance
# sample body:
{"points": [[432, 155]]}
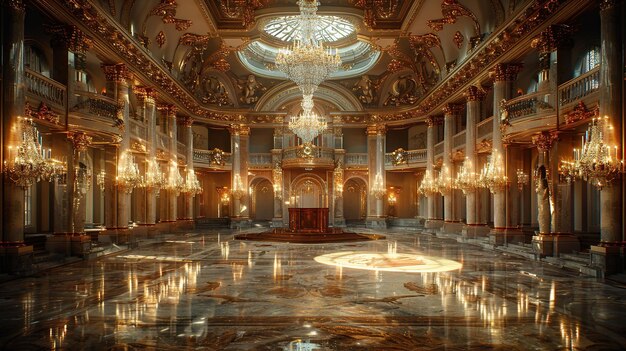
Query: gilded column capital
{"points": [[376, 129], [168, 109], [80, 141], [185, 121], [451, 109], [70, 36], [545, 140], [608, 4], [553, 37], [505, 72], [474, 93], [144, 93], [117, 72], [239, 129], [16, 5], [432, 121]]}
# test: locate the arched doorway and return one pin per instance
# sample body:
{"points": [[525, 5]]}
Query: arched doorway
{"points": [[308, 192], [355, 199], [262, 195]]}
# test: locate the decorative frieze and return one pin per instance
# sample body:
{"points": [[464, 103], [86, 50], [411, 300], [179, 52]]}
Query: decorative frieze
{"points": [[376, 129], [239, 129], [453, 109], [553, 37], [475, 93], [117, 72], [505, 72]]}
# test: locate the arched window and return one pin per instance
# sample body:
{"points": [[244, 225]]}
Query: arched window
{"points": [[590, 60], [35, 60]]}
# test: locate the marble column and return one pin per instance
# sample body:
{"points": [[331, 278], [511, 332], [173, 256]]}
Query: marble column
{"points": [[187, 123], [77, 185], [240, 136], [611, 196], [451, 112], [171, 201], [12, 107], [431, 122], [147, 96], [338, 181], [111, 157], [279, 189], [376, 159], [474, 95], [503, 75]]}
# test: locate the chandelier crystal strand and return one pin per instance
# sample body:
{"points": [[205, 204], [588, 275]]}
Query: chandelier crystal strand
{"points": [[596, 161], [175, 181], [128, 176], [445, 183]]}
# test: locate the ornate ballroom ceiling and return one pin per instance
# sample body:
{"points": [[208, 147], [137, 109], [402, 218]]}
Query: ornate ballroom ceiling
{"points": [[216, 57]]}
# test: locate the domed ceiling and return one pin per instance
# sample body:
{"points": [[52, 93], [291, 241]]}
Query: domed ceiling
{"points": [[220, 55]]}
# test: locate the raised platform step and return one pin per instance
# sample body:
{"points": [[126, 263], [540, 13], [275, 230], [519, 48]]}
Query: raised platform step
{"points": [[38, 241], [204, 223]]}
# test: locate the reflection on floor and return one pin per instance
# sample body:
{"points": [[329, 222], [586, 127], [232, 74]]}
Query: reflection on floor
{"points": [[204, 290]]}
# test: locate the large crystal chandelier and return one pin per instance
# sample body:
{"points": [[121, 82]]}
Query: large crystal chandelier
{"points": [[445, 183], [175, 181], [238, 189], [154, 177], [493, 175], [307, 63], [192, 184], [378, 188], [128, 176], [596, 161], [466, 179], [29, 162], [428, 186], [308, 124]]}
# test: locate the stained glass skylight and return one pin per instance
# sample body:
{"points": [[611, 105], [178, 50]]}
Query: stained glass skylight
{"points": [[329, 28]]}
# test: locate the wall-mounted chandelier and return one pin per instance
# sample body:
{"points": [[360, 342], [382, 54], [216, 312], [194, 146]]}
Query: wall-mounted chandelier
{"points": [[28, 162], [277, 180], [238, 189], [596, 161], [467, 179], [192, 184], [493, 176], [428, 186], [175, 181], [378, 188], [154, 178], [128, 176], [445, 183]]}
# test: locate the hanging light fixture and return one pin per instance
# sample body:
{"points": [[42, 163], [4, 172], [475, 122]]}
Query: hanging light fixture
{"points": [[175, 181], [493, 175], [467, 179], [445, 183], [277, 180], [428, 186], [238, 189], [378, 188], [128, 176], [192, 184], [100, 180], [154, 177], [308, 124], [307, 63], [522, 179], [596, 161]]}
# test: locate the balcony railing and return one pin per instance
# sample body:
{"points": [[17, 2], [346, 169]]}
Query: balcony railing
{"points": [[356, 160], [579, 87], [262, 160], [98, 105], [48, 90], [484, 127], [138, 129], [458, 139], [181, 148], [209, 157], [413, 158], [439, 148], [317, 157], [163, 141], [527, 105]]}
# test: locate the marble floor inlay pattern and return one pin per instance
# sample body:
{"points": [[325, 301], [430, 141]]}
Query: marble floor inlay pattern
{"points": [[203, 290]]}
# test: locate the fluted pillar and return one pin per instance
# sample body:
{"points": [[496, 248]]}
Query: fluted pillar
{"points": [[117, 76], [147, 97], [503, 75], [431, 122], [171, 204], [240, 136], [611, 196], [376, 160], [186, 124], [451, 111], [338, 181], [12, 107], [279, 188], [474, 95]]}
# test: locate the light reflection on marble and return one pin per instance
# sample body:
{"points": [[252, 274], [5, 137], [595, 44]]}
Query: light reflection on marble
{"points": [[205, 291]]}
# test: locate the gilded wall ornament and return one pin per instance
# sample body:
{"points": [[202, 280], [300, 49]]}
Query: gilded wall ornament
{"points": [[458, 39], [545, 140], [242, 10], [166, 9], [251, 89], [43, 112], [366, 89], [484, 146], [160, 39], [404, 91], [451, 10], [80, 141], [399, 157], [580, 112], [376, 10]]}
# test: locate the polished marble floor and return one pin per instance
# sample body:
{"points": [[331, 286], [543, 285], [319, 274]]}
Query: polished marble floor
{"points": [[205, 291]]}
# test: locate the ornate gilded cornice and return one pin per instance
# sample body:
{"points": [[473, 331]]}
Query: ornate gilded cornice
{"points": [[168, 109], [545, 140], [80, 140], [70, 36], [185, 121], [505, 72], [474, 93], [552, 38], [16, 5], [376, 129], [451, 109], [117, 72], [608, 4], [432, 121], [145, 94], [239, 129], [43, 113]]}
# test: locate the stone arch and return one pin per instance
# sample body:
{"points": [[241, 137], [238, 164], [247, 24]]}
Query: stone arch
{"points": [[332, 93]]}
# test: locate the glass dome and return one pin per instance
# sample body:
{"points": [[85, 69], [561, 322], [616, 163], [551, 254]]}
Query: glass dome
{"points": [[328, 29]]}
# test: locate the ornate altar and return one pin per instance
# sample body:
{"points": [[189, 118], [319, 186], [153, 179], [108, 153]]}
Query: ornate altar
{"points": [[308, 220]]}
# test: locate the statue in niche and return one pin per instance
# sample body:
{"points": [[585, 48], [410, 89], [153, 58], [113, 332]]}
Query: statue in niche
{"points": [[403, 91], [366, 89], [250, 89], [543, 199]]}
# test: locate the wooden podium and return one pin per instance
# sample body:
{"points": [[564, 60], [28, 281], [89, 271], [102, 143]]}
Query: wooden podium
{"points": [[308, 220]]}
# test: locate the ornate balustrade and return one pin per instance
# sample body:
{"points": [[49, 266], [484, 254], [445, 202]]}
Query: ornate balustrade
{"points": [[210, 158], [163, 141], [45, 89], [438, 148], [138, 129], [97, 105], [458, 139], [527, 105], [484, 127], [260, 160], [318, 157], [579, 87], [181, 148], [412, 158], [356, 160]]}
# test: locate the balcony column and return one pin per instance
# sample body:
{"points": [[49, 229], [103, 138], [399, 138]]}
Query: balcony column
{"points": [[432, 220], [170, 211], [612, 233], [451, 112], [12, 106], [547, 43], [473, 96], [69, 57], [503, 75], [187, 123], [376, 159], [279, 188], [117, 77], [147, 97], [338, 181], [240, 136]]}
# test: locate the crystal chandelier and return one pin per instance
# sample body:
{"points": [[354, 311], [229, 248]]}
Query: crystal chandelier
{"points": [[522, 179], [338, 180], [238, 189], [596, 161], [466, 179], [175, 181], [100, 180], [308, 124], [378, 188], [445, 183], [428, 186], [29, 162], [154, 177], [307, 63], [128, 176], [192, 184], [493, 175], [277, 179]]}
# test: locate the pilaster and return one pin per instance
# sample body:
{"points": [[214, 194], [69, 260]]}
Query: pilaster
{"points": [[376, 158]]}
